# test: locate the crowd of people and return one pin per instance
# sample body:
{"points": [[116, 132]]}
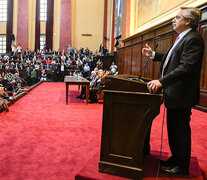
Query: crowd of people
{"points": [[37, 64]]}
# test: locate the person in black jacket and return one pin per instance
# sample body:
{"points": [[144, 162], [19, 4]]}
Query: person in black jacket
{"points": [[98, 83], [180, 69]]}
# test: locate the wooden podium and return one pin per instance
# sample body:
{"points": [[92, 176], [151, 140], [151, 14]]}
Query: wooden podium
{"points": [[128, 112]]}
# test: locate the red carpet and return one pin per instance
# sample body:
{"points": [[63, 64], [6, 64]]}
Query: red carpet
{"points": [[42, 138], [90, 171]]}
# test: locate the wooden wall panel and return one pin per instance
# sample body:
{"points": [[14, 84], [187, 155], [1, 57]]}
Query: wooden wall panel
{"points": [[119, 61], [148, 70], [203, 83], [136, 57], [127, 60]]}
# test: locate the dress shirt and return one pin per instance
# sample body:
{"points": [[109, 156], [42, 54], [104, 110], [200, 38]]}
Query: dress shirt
{"points": [[178, 39]]}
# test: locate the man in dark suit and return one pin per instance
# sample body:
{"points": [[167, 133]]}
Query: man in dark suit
{"points": [[180, 69]]}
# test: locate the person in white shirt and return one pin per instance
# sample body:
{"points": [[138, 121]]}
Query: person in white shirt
{"points": [[113, 68], [86, 70]]}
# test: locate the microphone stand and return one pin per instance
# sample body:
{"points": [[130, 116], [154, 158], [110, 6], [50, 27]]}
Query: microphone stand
{"points": [[146, 62]]}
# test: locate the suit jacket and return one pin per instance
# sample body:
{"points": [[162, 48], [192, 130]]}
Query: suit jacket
{"points": [[181, 80]]}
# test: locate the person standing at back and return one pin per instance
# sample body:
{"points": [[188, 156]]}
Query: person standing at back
{"points": [[180, 70]]}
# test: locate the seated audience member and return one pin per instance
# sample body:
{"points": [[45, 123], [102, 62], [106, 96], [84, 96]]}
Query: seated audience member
{"points": [[1, 65], [28, 76], [7, 95], [100, 81], [86, 70], [93, 62], [113, 68], [37, 66], [19, 89], [86, 51], [62, 71], [96, 71], [6, 57], [9, 85], [93, 78], [4, 98], [33, 76], [79, 65], [3, 103], [47, 66], [87, 59], [99, 64], [43, 75]]}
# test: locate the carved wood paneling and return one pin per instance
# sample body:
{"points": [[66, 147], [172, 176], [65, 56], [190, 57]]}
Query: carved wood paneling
{"points": [[204, 64], [136, 57], [148, 70], [119, 60], [127, 60]]}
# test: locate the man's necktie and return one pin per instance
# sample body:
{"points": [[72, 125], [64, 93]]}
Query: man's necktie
{"points": [[169, 54]]}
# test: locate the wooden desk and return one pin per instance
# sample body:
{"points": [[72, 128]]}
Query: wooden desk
{"points": [[72, 80]]}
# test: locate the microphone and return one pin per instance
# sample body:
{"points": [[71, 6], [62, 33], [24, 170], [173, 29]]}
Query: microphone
{"points": [[146, 62]]}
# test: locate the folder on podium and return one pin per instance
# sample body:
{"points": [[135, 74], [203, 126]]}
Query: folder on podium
{"points": [[128, 112]]}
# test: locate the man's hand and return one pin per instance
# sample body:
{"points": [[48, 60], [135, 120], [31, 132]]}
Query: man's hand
{"points": [[147, 51], [153, 86]]}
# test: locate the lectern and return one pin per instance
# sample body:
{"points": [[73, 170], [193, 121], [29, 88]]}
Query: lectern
{"points": [[128, 112]]}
